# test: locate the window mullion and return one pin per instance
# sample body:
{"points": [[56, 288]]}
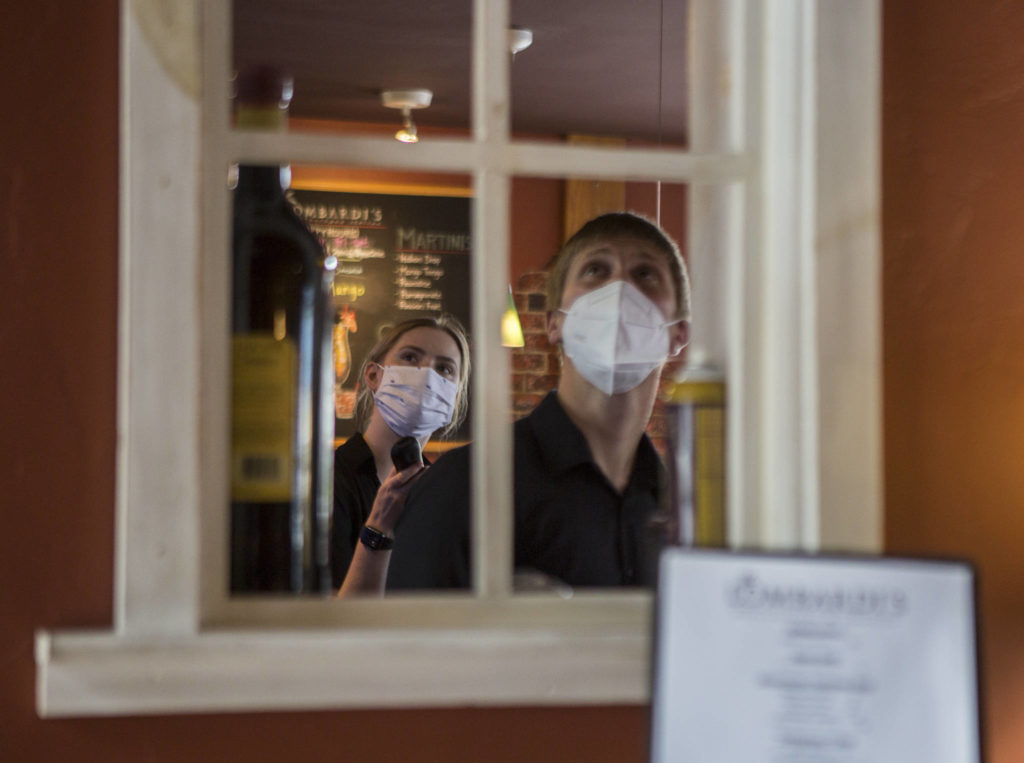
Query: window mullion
{"points": [[436, 154], [491, 476], [559, 160], [788, 423], [215, 291], [722, 230], [159, 326]]}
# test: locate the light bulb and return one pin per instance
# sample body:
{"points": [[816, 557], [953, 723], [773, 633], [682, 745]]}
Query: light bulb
{"points": [[408, 132], [511, 328]]}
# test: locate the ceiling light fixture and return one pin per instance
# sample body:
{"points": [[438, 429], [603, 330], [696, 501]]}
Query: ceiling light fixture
{"points": [[519, 39], [407, 100]]}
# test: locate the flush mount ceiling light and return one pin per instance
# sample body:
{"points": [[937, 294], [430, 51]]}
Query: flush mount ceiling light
{"points": [[406, 100]]}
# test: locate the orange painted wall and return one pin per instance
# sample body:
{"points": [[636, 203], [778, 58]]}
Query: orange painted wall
{"points": [[538, 213], [953, 291]]}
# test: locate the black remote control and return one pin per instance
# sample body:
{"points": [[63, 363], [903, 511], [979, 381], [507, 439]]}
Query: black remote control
{"points": [[405, 452]]}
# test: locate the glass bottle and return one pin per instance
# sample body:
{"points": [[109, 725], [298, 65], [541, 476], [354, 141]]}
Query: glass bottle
{"points": [[282, 422]]}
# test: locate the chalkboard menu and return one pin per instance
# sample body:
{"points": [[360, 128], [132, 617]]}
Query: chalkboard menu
{"points": [[399, 257]]}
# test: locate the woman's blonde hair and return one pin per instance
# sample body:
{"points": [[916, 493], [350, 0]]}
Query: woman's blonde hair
{"points": [[444, 322]]}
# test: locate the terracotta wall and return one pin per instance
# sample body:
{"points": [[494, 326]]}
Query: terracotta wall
{"points": [[953, 270]]}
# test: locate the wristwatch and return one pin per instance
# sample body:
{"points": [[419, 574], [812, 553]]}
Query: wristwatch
{"points": [[374, 539]]}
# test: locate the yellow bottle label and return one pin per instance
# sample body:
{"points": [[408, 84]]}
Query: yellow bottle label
{"points": [[695, 392], [709, 474], [262, 416], [261, 117], [700, 400]]}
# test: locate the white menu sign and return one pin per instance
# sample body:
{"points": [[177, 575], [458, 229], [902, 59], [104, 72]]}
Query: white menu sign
{"points": [[785, 659]]}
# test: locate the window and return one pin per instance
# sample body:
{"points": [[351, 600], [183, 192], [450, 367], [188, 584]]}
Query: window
{"points": [[784, 257]]}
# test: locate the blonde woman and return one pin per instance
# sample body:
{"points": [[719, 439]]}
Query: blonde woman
{"points": [[413, 384]]}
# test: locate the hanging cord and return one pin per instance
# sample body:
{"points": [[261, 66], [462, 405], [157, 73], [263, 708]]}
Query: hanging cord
{"points": [[661, 64]]}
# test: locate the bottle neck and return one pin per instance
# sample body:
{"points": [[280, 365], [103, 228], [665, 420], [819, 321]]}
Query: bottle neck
{"points": [[263, 181]]}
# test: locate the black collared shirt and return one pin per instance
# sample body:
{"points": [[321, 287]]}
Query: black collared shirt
{"points": [[355, 487], [570, 522]]}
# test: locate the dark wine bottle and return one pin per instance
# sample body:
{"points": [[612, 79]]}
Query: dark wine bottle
{"points": [[282, 417]]}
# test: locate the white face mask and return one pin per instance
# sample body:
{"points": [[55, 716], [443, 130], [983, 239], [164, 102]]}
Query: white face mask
{"points": [[615, 337], [415, 401]]}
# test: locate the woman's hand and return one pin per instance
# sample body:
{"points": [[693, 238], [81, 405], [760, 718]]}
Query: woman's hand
{"points": [[368, 571], [390, 501]]}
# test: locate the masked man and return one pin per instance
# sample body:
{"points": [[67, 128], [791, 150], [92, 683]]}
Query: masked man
{"points": [[586, 476]]}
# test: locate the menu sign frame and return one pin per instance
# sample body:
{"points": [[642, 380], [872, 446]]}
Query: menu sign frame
{"points": [[400, 256], [779, 658]]}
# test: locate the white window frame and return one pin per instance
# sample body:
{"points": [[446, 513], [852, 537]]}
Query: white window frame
{"points": [[784, 253]]}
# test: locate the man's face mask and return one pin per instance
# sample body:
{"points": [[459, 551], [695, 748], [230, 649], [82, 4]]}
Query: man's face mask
{"points": [[415, 401], [615, 337]]}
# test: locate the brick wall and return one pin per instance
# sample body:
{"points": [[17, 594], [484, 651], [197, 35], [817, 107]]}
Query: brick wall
{"points": [[535, 366]]}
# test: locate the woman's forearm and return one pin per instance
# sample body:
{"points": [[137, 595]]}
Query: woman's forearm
{"points": [[367, 572]]}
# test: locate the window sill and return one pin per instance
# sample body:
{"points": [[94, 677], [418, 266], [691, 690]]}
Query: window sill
{"points": [[98, 673]]}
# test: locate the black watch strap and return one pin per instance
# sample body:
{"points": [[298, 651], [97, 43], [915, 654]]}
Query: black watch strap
{"points": [[374, 539]]}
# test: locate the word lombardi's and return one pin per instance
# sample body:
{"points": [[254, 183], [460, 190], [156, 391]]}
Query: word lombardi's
{"points": [[749, 593]]}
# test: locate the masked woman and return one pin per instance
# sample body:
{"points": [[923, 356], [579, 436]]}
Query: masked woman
{"points": [[413, 383]]}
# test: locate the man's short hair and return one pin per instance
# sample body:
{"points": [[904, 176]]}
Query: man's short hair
{"points": [[614, 225]]}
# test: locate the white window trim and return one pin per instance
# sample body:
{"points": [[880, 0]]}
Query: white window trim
{"points": [[792, 107]]}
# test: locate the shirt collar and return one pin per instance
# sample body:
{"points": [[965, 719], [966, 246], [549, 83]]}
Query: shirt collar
{"points": [[357, 456], [563, 445]]}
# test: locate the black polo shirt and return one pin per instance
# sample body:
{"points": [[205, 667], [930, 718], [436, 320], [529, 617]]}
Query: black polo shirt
{"points": [[355, 487], [570, 522]]}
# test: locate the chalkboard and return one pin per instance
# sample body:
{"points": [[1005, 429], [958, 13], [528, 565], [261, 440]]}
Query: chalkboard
{"points": [[399, 257]]}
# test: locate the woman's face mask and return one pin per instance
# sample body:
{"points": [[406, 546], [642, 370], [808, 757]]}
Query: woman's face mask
{"points": [[415, 401], [615, 337]]}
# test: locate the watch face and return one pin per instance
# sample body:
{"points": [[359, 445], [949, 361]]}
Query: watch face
{"points": [[375, 539]]}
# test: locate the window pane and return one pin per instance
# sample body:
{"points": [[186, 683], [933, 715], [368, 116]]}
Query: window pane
{"points": [[396, 247], [580, 525], [344, 55], [603, 68]]}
